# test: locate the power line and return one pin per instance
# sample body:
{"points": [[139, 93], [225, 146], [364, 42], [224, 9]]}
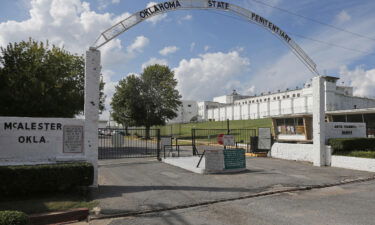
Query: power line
{"points": [[315, 21], [301, 36], [331, 44]]}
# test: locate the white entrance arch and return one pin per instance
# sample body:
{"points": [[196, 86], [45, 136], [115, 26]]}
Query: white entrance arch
{"points": [[165, 7], [93, 67]]}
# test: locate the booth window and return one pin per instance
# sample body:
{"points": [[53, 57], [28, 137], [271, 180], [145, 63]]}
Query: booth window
{"points": [[290, 126]]}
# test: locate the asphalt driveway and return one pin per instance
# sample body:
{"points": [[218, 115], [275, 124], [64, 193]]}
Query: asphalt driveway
{"points": [[132, 185]]}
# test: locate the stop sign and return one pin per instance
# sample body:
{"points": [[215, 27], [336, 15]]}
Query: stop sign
{"points": [[220, 139]]}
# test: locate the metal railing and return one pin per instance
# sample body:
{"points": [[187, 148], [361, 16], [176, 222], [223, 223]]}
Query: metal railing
{"points": [[203, 139], [117, 143]]}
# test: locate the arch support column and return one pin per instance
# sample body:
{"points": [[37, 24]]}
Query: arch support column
{"points": [[91, 109], [319, 154]]}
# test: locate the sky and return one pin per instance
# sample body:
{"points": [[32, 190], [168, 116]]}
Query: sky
{"points": [[211, 52]]}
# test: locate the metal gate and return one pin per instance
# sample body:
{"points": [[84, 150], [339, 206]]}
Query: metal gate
{"points": [[128, 143], [203, 139]]}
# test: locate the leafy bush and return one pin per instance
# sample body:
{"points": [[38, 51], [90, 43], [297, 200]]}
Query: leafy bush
{"points": [[13, 218], [359, 154], [25, 180], [350, 144], [194, 119]]}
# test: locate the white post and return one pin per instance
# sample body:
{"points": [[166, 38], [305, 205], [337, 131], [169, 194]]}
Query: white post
{"points": [[91, 108], [318, 121]]}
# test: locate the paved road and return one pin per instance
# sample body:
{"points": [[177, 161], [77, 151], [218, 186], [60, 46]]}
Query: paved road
{"points": [[351, 204], [133, 185]]}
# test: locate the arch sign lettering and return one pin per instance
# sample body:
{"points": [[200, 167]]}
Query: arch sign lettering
{"points": [[164, 7], [92, 67]]}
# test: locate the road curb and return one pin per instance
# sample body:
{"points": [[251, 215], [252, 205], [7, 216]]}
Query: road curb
{"points": [[78, 214]]}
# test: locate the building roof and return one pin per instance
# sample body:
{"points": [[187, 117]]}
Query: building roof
{"points": [[331, 78]]}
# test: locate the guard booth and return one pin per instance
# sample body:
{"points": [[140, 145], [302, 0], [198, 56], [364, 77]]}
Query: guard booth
{"points": [[298, 128], [366, 115], [293, 128]]}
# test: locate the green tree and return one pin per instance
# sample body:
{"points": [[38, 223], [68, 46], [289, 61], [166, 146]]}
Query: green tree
{"points": [[146, 100], [37, 80]]}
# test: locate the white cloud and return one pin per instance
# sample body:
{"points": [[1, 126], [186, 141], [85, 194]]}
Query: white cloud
{"points": [[187, 17], [192, 46], [138, 45], [73, 25], [68, 23], [362, 80], [288, 71], [157, 18], [153, 61], [206, 48], [109, 87], [103, 4], [343, 17], [168, 50], [210, 75]]}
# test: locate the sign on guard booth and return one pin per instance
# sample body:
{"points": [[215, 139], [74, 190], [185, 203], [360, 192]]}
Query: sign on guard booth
{"points": [[345, 130], [226, 140]]}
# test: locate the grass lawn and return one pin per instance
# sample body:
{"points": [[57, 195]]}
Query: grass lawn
{"points": [[360, 154], [184, 130], [46, 203]]}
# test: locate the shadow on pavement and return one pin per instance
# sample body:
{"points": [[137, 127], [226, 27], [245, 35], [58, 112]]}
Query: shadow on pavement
{"points": [[106, 191]]}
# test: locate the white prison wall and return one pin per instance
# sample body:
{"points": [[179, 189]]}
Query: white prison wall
{"points": [[299, 101]]}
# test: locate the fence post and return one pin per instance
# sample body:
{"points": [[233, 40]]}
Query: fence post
{"points": [[158, 144], [193, 140], [228, 131]]}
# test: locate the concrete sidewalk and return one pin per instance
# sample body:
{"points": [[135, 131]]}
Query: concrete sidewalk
{"points": [[132, 185]]}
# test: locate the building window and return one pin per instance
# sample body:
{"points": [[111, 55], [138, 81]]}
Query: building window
{"points": [[290, 126], [298, 94], [189, 105], [287, 96], [294, 95], [278, 97]]}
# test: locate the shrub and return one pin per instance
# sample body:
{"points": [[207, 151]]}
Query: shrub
{"points": [[350, 144], [13, 218], [25, 180]]}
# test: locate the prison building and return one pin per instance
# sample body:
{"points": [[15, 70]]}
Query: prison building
{"points": [[288, 102]]}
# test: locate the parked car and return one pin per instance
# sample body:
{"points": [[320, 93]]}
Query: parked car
{"points": [[118, 132]]}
